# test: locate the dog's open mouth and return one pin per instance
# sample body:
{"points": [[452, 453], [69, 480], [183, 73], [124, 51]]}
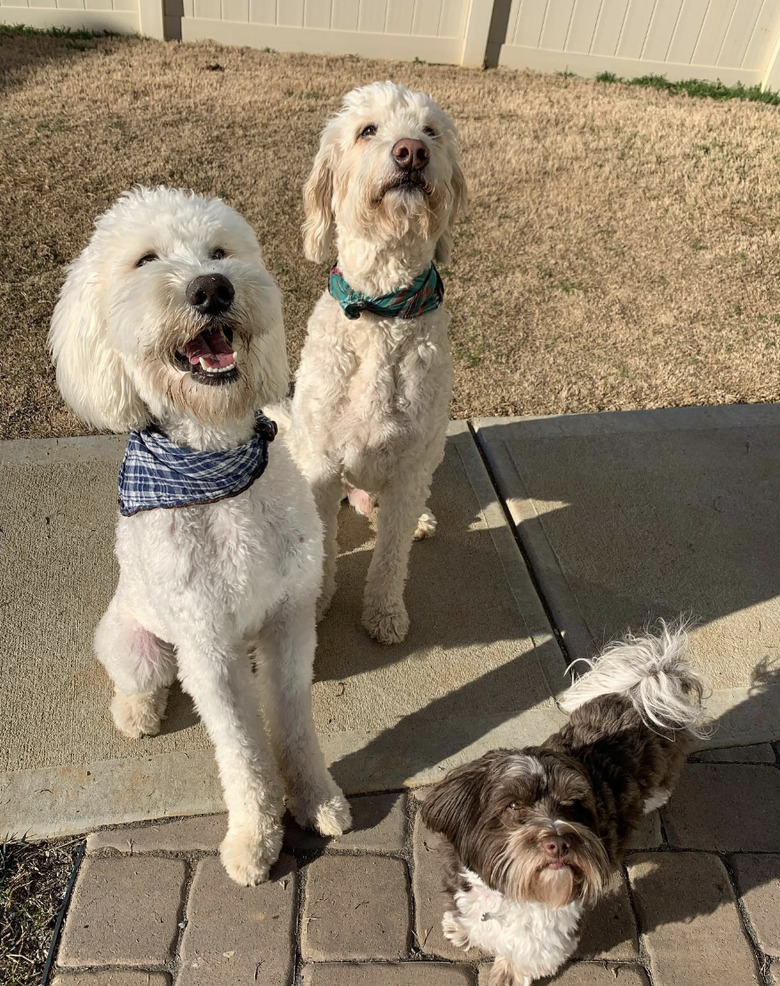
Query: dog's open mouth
{"points": [[411, 181], [209, 357]]}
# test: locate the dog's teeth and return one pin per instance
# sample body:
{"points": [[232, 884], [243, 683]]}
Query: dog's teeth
{"points": [[217, 369]]}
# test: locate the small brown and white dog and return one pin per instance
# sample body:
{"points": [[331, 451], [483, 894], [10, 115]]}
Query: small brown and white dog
{"points": [[535, 834]]}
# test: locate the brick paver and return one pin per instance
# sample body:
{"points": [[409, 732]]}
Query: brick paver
{"points": [[239, 935], [400, 974], [725, 807], [688, 915], [609, 929], [113, 977], [200, 832], [378, 825], [586, 974], [430, 899], [124, 912], [757, 753], [758, 882], [345, 905], [649, 834], [356, 907]]}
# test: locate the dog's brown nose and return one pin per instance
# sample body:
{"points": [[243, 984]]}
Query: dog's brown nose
{"points": [[555, 846], [410, 155], [210, 294]]}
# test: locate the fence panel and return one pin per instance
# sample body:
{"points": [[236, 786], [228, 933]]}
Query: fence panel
{"points": [[730, 40], [121, 16], [432, 30]]}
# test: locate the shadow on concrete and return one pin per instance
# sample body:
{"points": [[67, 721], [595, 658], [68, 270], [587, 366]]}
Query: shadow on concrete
{"points": [[636, 515]]}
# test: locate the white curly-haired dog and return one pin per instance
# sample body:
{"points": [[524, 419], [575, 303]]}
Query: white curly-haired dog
{"points": [[170, 326], [373, 388]]}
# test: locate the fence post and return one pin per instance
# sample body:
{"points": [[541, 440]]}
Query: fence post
{"points": [[475, 37], [151, 18], [770, 76]]}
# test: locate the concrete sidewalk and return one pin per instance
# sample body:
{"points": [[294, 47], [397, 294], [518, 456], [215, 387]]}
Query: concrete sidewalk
{"points": [[621, 517], [630, 516], [480, 667]]}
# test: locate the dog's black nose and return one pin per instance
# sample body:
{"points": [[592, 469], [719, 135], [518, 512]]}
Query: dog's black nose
{"points": [[555, 846], [410, 155], [210, 294]]}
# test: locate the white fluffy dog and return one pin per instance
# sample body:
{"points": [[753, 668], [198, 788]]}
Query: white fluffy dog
{"points": [[373, 389], [170, 326]]}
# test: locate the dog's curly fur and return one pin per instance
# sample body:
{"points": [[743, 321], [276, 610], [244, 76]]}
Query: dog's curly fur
{"points": [[372, 395], [202, 586]]}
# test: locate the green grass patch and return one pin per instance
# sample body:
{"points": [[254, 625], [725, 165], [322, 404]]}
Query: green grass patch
{"points": [[700, 88], [68, 33]]}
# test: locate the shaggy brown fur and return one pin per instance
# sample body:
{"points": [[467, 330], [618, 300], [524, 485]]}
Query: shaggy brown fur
{"points": [[594, 776]]}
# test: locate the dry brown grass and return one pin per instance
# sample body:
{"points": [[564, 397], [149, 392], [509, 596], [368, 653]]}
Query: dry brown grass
{"points": [[620, 250]]}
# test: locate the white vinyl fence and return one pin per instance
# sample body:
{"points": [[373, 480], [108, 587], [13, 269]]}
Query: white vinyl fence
{"points": [[730, 40]]}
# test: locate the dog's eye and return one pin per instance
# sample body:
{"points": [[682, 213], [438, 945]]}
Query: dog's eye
{"points": [[514, 806], [368, 131], [146, 259], [218, 254], [429, 131]]}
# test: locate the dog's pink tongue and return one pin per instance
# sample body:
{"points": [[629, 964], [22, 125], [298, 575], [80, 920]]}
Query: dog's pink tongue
{"points": [[212, 347]]}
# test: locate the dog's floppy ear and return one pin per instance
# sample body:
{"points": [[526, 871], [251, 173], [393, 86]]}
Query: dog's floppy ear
{"points": [[455, 800], [444, 243], [318, 204], [91, 375]]}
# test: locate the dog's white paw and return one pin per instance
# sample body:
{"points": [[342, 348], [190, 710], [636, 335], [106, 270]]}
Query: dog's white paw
{"points": [[139, 714], [426, 527], [503, 973], [454, 931], [328, 814], [248, 856], [333, 816], [389, 624]]}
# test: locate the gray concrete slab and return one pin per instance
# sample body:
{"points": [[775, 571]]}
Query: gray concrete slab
{"points": [[630, 516], [479, 669]]}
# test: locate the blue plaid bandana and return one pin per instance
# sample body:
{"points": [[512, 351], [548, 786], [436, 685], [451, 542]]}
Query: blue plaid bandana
{"points": [[424, 294], [156, 473]]}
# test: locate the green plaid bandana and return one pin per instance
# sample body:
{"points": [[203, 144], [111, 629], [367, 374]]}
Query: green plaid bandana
{"points": [[424, 294]]}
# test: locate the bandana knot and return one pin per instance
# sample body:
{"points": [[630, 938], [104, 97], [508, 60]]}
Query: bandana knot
{"points": [[156, 473], [424, 294]]}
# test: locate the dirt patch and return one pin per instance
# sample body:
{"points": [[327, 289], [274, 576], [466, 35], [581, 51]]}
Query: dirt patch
{"points": [[33, 883], [620, 249]]}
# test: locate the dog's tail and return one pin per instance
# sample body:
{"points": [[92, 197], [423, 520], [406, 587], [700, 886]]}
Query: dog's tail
{"points": [[653, 673], [281, 413]]}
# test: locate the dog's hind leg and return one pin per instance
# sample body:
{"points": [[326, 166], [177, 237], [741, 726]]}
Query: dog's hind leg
{"points": [[217, 673], [384, 612], [142, 668], [328, 492], [285, 661]]}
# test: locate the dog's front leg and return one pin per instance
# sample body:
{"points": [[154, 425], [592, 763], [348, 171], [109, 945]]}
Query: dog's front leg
{"points": [[219, 679], [384, 613], [286, 659], [505, 973]]}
